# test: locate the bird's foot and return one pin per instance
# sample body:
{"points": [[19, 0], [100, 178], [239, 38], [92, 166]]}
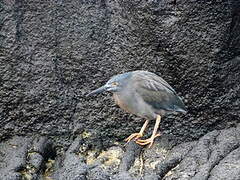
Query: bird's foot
{"points": [[134, 136], [149, 141]]}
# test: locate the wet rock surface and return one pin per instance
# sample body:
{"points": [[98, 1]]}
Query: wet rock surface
{"points": [[25, 157], [213, 156], [52, 53]]}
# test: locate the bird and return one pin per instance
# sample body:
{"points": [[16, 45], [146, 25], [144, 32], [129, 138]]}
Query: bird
{"points": [[145, 95]]}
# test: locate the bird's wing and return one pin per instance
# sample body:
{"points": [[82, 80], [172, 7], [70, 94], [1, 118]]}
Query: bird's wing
{"points": [[156, 91], [152, 82]]}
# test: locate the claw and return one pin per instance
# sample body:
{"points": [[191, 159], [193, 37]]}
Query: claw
{"points": [[134, 136], [149, 141]]}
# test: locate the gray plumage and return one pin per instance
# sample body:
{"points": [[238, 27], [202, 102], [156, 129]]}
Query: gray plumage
{"points": [[144, 94]]}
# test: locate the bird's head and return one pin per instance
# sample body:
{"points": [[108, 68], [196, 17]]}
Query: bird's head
{"points": [[115, 84]]}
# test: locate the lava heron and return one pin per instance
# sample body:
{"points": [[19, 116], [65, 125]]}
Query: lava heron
{"points": [[146, 95]]}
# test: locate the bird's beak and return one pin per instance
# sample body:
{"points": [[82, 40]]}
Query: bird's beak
{"points": [[97, 91]]}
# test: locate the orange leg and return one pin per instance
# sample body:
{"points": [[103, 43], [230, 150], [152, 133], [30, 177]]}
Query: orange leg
{"points": [[137, 135], [150, 140]]}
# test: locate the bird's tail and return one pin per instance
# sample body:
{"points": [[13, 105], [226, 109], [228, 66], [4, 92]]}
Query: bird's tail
{"points": [[179, 106]]}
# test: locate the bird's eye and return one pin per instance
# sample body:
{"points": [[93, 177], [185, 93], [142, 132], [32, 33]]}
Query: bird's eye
{"points": [[114, 84]]}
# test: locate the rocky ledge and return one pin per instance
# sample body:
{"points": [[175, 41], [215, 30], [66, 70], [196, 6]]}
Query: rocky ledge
{"points": [[52, 53], [214, 156]]}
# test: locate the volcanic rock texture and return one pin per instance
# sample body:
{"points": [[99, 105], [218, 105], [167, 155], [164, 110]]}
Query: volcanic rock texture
{"points": [[52, 53]]}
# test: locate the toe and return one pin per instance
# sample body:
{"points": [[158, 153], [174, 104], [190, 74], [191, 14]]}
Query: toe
{"points": [[142, 143], [128, 138], [132, 136], [150, 145], [143, 140]]}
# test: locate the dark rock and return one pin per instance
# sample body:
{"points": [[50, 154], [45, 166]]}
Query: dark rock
{"points": [[13, 157], [229, 164], [213, 156], [132, 151], [36, 160], [18, 161], [177, 155], [151, 177], [46, 72], [43, 145], [205, 159], [98, 174], [54, 52], [10, 175], [72, 166], [123, 176]]}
